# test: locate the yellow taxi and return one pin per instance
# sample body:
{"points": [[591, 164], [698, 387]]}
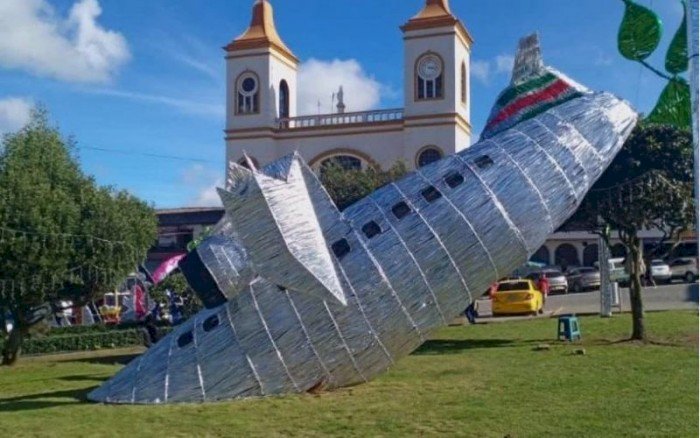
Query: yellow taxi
{"points": [[516, 296]]}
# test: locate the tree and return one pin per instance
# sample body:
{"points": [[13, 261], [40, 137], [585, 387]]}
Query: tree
{"points": [[176, 282], [346, 187], [61, 236], [647, 186]]}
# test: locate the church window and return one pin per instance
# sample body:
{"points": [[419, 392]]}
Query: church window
{"points": [[463, 83], [429, 77], [243, 162], [428, 155], [248, 94], [284, 100], [345, 162]]}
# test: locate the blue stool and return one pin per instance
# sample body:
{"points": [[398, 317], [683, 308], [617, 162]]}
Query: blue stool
{"points": [[568, 328]]}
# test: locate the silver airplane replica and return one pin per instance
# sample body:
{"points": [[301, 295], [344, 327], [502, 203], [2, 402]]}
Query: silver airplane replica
{"points": [[300, 296]]}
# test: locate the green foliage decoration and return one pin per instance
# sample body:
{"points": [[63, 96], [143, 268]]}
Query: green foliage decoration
{"points": [[640, 32], [677, 55], [639, 36], [673, 106]]}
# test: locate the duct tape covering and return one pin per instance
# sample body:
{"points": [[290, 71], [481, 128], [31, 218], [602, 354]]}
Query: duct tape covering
{"points": [[388, 270]]}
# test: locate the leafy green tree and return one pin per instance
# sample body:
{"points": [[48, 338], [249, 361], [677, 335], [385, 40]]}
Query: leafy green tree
{"points": [[175, 282], [647, 186], [61, 236], [346, 187]]}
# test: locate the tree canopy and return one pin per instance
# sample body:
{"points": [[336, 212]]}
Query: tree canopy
{"points": [[62, 237], [649, 185], [346, 187]]}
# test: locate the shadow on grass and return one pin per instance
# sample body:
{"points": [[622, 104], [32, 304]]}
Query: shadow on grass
{"points": [[452, 346], [83, 378], [45, 400], [120, 359]]}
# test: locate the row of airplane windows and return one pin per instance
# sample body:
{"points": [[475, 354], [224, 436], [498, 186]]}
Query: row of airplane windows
{"points": [[371, 229], [400, 210]]}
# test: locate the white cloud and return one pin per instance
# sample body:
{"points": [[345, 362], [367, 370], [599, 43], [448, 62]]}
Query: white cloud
{"points": [[208, 196], [14, 113], [485, 70], [318, 80], [481, 70], [504, 63], [204, 181], [74, 49]]}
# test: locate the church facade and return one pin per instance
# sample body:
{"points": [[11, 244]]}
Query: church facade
{"points": [[261, 100]]}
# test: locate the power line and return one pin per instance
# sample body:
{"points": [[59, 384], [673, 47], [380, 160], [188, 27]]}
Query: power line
{"points": [[148, 154]]}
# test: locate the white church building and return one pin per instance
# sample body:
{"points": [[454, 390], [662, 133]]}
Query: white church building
{"points": [[261, 99]]}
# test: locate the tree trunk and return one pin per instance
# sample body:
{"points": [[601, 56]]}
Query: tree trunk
{"points": [[636, 271], [13, 347]]}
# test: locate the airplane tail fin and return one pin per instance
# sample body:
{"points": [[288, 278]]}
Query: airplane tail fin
{"points": [[273, 214]]}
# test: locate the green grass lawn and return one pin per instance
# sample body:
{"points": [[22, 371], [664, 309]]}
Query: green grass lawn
{"points": [[483, 380]]}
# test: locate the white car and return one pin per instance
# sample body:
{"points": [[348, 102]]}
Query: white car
{"points": [[684, 268], [660, 271]]}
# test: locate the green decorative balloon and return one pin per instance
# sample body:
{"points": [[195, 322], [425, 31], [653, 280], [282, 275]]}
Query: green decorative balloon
{"points": [[673, 106], [677, 55], [640, 32]]}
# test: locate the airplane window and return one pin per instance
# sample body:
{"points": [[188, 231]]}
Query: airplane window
{"points": [[453, 179], [371, 229], [185, 339], [401, 210], [431, 194], [210, 323], [341, 248], [484, 162]]}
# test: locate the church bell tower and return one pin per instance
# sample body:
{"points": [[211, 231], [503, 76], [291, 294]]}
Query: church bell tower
{"points": [[437, 48], [261, 80]]}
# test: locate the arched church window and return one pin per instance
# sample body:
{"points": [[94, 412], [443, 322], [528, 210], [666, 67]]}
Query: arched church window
{"points": [[429, 77], [428, 155], [243, 162], [248, 94], [463, 83], [345, 162], [284, 99]]}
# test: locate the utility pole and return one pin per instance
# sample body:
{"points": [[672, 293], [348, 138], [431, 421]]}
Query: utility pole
{"points": [[691, 10]]}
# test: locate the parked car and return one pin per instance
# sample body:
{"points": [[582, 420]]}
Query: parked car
{"points": [[684, 268], [583, 278], [516, 296], [618, 273], [660, 271], [557, 280]]}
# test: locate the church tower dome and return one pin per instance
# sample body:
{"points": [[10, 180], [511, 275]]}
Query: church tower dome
{"points": [[261, 33]]}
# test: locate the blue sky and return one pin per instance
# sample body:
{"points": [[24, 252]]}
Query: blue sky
{"points": [[147, 77]]}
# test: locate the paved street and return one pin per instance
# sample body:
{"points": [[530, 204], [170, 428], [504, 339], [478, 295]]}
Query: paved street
{"points": [[674, 296]]}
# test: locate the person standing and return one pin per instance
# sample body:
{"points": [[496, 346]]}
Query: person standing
{"points": [[543, 286]]}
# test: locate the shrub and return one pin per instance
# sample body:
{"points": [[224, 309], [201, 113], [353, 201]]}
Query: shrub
{"points": [[96, 340]]}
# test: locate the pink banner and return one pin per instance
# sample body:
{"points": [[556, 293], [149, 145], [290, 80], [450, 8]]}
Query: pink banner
{"points": [[166, 268]]}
